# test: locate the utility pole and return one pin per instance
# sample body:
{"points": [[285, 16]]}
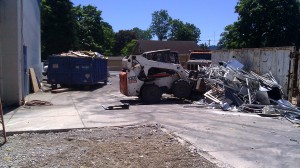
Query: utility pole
{"points": [[214, 38]]}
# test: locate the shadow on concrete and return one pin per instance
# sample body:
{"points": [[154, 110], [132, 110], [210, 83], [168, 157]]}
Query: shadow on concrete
{"points": [[163, 101], [9, 109], [66, 88]]}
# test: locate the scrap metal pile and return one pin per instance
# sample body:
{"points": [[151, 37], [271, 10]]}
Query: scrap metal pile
{"points": [[230, 87]]}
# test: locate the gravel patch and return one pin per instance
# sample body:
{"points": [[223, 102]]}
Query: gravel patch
{"points": [[132, 146]]}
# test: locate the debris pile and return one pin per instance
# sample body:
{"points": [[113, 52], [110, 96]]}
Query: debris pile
{"points": [[37, 103], [82, 54], [230, 87]]}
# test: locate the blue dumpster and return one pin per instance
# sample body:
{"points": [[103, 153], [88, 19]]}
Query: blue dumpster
{"points": [[66, 70]]}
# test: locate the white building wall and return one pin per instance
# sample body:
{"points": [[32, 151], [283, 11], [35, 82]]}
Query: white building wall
{"points": [[19, 25], [10, 80], [32, 35]]}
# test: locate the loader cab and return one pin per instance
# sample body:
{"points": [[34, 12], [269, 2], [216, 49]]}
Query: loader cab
{"points": [[166, 56], [199, 58]]}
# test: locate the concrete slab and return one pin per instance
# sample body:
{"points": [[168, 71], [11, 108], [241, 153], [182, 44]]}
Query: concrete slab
{"points": [[235, 139], [242, 141], [110, 120], [44, 123], [62, 115], [45, 111], [263, 157], [8, 116]]}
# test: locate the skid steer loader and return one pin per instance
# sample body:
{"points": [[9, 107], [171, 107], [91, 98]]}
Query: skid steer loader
{"points": [[153, 73]]}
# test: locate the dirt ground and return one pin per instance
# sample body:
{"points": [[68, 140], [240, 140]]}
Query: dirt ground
{"points": [[138, 146]]}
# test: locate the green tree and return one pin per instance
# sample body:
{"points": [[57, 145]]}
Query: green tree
{"points": [[230, 38], [127, 50], [142, 34], [90, 28], [264, 23], [123, 37], [58, 27], [160, 24], [204, 46], [183, 31], [109, 38]]}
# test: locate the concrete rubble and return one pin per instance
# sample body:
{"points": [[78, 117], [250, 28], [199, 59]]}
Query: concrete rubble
{"points": [[229, 87]]}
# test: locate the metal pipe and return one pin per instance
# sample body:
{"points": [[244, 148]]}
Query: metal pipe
{"points": [[249, 96]]}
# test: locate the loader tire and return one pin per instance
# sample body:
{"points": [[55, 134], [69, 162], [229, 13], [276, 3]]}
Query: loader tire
{"points": [[181, 89], [151, 94]]}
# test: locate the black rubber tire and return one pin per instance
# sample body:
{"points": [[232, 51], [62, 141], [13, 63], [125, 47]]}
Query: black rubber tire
{"points": [[181, 89], [151, 94]]}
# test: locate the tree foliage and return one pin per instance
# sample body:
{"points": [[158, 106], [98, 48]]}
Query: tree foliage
{"points": [[160, 24], [183, 31], [127, 50], [204, 46], [58, 27], [230, 37], [142, 34], [65, 27], [263, 23], [164, 27], [123, 37], [90, 28], [109, 38]]}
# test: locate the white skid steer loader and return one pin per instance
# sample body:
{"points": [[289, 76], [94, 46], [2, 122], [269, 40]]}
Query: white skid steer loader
{"points": [[153, 73]]}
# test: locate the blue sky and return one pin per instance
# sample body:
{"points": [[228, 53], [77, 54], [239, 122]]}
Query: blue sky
{"points": [[211, 16]]}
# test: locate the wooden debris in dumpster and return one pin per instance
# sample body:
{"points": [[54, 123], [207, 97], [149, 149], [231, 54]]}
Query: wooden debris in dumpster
{"points": [[82, 54], [60, 90]]}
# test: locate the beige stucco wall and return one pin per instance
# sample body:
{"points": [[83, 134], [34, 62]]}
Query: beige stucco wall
{"points": [[115, 63]]}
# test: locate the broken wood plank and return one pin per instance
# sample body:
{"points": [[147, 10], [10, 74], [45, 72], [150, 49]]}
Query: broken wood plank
{"points": [[116, 107], [60, 90], [34, 81]]}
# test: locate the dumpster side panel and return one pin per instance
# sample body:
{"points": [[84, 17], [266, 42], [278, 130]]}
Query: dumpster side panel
{"points": [[104, 70], [76, 70], [97, 70], [100, 70], [81, 71], [58, 70]]}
